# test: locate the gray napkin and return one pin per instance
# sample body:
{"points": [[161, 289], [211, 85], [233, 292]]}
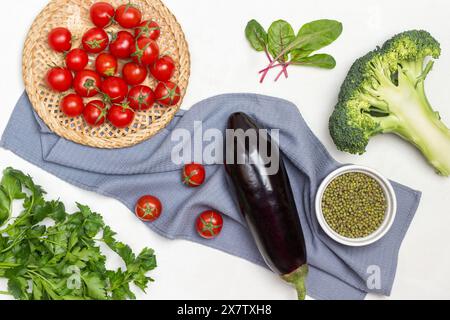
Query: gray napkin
{"points": [[337, 271]]}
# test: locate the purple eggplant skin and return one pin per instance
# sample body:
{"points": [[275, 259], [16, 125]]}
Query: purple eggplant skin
{"points": [[267, 203]]}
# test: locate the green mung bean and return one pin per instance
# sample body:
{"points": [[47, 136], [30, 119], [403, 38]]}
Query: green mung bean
{"points": [[354, 205]]}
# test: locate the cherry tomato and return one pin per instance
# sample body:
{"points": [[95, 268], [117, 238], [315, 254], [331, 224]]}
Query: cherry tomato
{"points": [[106, 65], [128, 16], [72, 105], [148, 208], [145, 51], [122, 45], [77, 60], [115, 89], [134, 74], [141, 98], [148, 29], [60, 39], [121, 115], [59, 79], [194, 175], [95, 40], [209, 224], [167, 94], [95, 113], [87, 83], [102, 14], [163, 69]]}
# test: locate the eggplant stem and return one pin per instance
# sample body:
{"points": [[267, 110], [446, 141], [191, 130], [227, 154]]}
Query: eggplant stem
{"points": [[297, 279]]}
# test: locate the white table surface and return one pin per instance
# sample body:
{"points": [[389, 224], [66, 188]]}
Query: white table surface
{"points": [[222, 62]]}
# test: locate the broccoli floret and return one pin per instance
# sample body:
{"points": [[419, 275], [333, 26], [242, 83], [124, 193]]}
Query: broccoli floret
{"points": [[384, 93]]}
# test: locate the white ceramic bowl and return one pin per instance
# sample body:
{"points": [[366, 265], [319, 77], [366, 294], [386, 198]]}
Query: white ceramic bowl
{"points": [[390, 211]]}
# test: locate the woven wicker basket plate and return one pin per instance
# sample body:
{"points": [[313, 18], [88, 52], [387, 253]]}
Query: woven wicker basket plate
{"points": [[37, 56]]}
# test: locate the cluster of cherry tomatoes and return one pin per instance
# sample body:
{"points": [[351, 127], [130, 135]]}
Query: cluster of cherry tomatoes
{"points": [[209, 224], [121, 91]]}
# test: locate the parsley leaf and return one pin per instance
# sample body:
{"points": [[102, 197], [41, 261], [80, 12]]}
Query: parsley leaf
{"points": [[61, 261]]}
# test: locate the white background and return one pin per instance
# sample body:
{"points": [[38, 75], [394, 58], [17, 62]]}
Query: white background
{"points": [[222, 62]]}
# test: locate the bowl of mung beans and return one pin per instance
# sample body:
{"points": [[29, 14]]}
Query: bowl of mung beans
{"points": [[356, 205]]}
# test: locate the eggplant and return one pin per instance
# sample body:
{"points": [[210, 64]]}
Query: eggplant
{"points": [[266, 201]]}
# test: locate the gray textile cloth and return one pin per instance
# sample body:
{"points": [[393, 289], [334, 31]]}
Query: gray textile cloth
{"points": [[336, 271]]}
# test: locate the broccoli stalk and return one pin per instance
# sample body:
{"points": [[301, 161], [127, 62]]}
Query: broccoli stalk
{"points": [[384, 93]]}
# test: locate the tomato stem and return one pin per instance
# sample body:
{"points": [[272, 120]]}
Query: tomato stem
{"points": [[188, 178]]}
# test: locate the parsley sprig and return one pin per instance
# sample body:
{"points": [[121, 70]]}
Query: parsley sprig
{"points": [[48, 254]]}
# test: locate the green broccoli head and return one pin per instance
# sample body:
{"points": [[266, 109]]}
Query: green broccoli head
{"points": [[351, 125], [384, 92], [414, 45]]}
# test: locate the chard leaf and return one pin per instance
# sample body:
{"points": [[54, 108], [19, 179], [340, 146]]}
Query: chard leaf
{"points": [[256, 35], [280, 36], [324, 61], [297, 54], [317, 34]]}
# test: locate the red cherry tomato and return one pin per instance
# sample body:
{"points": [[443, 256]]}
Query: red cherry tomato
{"points": [[72, 105], [128, 16], [106, 65], [148, 29], [163, 69], [102, 14], [95, 40], [209, 224], [87, 83], [134, 74], [121, 115], [59, 79], [115, 89], [60, 39], [194, 175], [167, 94], [145, 51], [141, 98], [148, 208], [95, 113], [122, 45], [77, 59]]}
